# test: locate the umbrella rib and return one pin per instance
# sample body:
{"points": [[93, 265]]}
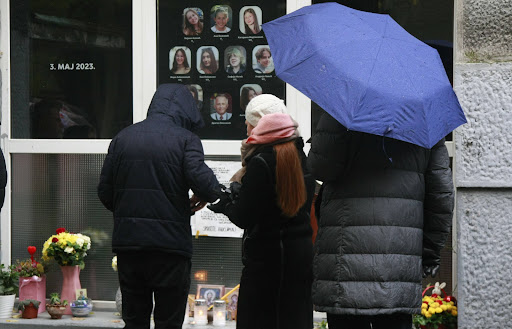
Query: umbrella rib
{"points": [[373, 67]]}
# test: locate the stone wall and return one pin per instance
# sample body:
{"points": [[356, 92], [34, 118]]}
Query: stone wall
{"points": [[483, 162]]}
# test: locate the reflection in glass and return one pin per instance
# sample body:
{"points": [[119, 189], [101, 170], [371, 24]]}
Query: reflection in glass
{"points": [[73, 64]]}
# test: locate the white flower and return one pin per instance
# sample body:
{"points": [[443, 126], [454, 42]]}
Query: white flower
{"points": [[80, 242], [114, 263], [69, 250]]}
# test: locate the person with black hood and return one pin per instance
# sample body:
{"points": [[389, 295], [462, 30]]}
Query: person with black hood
{"points": [[385, 211], [145, 179]]}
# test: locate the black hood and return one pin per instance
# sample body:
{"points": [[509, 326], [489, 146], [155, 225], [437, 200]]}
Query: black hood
{"points": [[176, 101]]}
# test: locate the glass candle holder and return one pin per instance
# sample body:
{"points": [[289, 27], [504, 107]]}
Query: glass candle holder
{"points": [[219, 313], [200, 312]]}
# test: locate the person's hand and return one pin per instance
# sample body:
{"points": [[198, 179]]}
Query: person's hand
{"points": [[431, 270], [224, 199], [196, 204]]}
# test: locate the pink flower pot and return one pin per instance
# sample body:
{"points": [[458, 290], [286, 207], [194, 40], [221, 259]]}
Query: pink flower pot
{"points": [[33, 288]]}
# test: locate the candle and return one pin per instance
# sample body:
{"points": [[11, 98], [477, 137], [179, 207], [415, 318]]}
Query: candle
{"points": [[200, 309], [219, 313]]}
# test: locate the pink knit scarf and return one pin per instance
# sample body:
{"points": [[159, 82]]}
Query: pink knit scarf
{"points": [[271, 128]]}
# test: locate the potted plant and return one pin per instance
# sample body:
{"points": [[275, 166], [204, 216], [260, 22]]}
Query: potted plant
{"points": [[8, 289], [55, 307], [28, 308], [32, 281], [437, 312]]}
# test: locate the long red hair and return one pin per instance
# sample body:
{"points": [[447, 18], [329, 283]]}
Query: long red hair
{"points": [[290, 186]]}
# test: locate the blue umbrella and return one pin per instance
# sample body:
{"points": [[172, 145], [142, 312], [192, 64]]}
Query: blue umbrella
{"points": [[366, 71]]}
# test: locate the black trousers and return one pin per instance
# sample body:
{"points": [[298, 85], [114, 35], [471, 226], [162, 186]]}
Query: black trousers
{"points": [[142, 274], [392, 321]]}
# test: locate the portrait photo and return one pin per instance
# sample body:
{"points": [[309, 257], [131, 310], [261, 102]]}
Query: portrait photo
{"points": [[248, 92], [235, 59], [193, 21], [209, 292], [197, 93], [179, 60], [221, 107], [220, 19], [81, 294], [231, 302], [262, 61], [250, 20], [207, 60]]}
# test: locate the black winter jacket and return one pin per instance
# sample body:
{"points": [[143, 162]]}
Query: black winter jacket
{"points": [[148, 171], [3, 178], [277, 250], [386, 210]]}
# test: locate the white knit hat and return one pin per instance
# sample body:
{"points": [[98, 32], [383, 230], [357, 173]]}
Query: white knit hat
{"points": [[262, 105]]}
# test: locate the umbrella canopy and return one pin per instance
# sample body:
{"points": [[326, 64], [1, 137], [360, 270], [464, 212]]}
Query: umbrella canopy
{"points": [[366, 71]]}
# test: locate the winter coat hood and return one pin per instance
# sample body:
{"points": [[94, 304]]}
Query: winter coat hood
{"points": [[176, 102]]}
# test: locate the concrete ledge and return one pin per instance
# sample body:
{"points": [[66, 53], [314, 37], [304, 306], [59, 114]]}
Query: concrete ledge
{"points": [[100, 319]]}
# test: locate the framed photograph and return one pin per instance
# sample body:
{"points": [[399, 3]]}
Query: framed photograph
{"points": [[209, 292], [81, 294], [231, 299]]}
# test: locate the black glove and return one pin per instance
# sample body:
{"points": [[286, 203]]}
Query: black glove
{"points": [[224, 199], [431, 270]]}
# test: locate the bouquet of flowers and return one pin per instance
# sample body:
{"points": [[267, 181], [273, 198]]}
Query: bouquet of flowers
{"points": [[437, 312], [68, 249]]}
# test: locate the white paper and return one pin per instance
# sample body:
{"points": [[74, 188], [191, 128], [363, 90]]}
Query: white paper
{"points": [[207, 223]]}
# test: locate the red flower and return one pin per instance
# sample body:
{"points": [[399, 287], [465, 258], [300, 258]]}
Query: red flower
{"points": [[61, 230], [55, 240]]}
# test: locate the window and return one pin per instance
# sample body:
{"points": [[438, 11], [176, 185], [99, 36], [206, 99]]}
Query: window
{"points": [[72, 68]]}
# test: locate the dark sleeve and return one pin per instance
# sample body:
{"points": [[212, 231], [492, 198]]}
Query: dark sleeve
{"points": [[438, 206], [199, 176], [106, 185], [328, 156], [3, 178], [255, 196]]}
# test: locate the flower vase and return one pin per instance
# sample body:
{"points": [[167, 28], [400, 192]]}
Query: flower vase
{"points": [[70, 283]]}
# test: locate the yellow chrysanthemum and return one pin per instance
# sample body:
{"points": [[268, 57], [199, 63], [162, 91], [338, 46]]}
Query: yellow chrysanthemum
{"points": [[423, 305], [435, 305], [454, 313], [439, 310], [428, 315]]}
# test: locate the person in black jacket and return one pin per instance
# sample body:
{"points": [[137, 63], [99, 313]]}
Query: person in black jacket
{"points": [[3, 178], [385, 213], [145, 179], [272, 206]]}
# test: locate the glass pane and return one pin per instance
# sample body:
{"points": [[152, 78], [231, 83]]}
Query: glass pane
{"points": [[71, 64], [209, 47], [59, 190], [429, 21]]}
